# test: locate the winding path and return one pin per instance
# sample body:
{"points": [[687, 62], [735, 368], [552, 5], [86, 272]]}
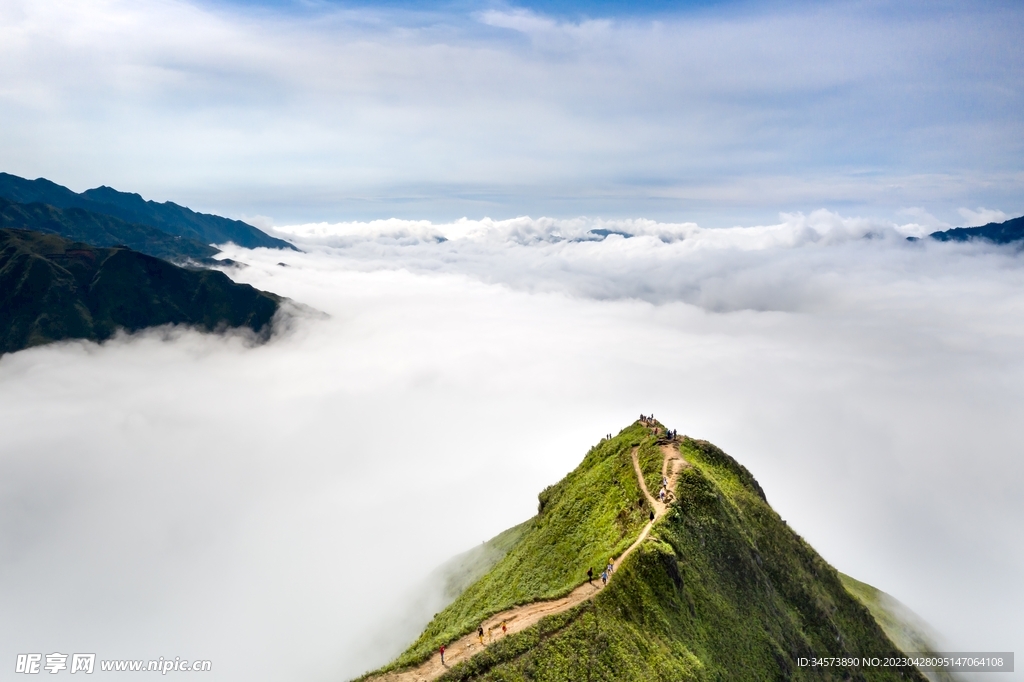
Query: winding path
{"points": [[521, 617]]}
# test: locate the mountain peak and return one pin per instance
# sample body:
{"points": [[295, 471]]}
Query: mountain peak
{"points": [[693, 576], [132, 208]]}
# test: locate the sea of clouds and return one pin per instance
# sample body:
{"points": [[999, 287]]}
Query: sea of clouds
{"points": [[279, 508]]}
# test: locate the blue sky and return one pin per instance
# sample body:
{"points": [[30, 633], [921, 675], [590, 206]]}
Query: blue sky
{"points": [[555, 8], [722, 113]]}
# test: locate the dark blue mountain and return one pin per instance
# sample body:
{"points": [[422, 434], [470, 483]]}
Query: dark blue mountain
{"points": [[167, 217], [99, 229], [1000, 233]]}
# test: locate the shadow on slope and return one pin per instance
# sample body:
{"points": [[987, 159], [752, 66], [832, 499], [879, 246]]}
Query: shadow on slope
{"points": [[52, 288], [97, 229]]}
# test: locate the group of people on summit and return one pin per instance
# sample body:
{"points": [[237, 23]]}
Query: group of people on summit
{"points": [[649, 421]]}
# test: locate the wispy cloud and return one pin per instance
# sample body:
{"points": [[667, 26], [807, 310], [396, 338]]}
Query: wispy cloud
{"points": [[982, 216], [382, 112]]}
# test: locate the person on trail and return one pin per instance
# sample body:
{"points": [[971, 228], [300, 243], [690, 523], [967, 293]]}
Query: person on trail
{"points": [[664, 482], [652, 515], [504, 630], [590, 575], [442, 654], [480, 631], [604, 577]]}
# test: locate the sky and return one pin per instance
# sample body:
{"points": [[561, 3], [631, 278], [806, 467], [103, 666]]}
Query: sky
{"points": [[457, 336], [719, 113]]}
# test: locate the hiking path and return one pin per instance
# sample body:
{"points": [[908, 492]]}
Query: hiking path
{"points": [[519, 618]]}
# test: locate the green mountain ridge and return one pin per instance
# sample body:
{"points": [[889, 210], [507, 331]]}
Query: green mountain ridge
{"points": [[167, 217], [103, 230], [722, 589], [52, 288], [904, 627]]}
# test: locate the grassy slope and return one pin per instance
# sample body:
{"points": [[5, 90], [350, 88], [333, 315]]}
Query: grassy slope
{"points": [[904, 627], [724, 591], [459, 573], [590, 515], [651, 460], [52, 289], [103, 230]]}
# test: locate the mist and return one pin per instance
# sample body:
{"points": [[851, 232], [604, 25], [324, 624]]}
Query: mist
{"points": [[280, 509]]}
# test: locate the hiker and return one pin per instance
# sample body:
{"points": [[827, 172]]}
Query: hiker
{"points": [[604, 577], [590, 575], [652, 515], [442, 654], [480, 631], [611, 565], [664, 482], [504, 630]]}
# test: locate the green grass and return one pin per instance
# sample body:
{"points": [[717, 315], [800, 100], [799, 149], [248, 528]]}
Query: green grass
{"points": [[724, 590], [587, 517], [903, 626], [52, 289], [462, 571], [651, 460]]}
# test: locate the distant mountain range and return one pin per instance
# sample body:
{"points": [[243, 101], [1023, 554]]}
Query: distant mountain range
{"points": [[131, 209], [999, 233], [52, 288], [104, 230]]}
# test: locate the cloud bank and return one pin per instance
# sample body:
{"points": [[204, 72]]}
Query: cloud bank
{"points": [[279, 509]]}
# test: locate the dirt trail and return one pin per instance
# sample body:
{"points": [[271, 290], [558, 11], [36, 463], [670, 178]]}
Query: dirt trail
{"points": [[521, 617]]}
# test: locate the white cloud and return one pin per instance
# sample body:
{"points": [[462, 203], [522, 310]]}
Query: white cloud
{"points": [[982, 216], [518, 20], [570, 255], [357, 112], [272, 509]]}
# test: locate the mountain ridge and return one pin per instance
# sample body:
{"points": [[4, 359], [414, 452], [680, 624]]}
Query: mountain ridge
{"points": [[168, 216], [1006, 232], [103, 230], [54, 289], [721, 588]]}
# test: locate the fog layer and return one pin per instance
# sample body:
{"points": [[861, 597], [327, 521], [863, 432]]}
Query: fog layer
{"points": [[277, 509]]}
